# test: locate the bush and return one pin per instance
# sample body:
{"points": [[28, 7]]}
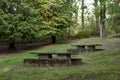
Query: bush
{"points": [[116, 28], [84, 33]]}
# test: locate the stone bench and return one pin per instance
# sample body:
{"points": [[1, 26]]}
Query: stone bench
{"points": [[46, 62], [99, 49], [51, 62]]}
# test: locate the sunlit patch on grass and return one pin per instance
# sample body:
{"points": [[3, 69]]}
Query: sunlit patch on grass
{"points": [[6, 69]]}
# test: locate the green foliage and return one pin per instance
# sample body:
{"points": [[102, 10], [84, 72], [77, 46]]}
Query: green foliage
{"points": [[57, 19], [114, 19], [88, 31], [84, 33], [26, 20], [97, 7], [18, 21]]}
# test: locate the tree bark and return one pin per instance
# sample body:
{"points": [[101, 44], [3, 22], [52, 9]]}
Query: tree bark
{"points": [[102, 31], [82, 14], [97, 17], [97, 26], [53, 39], [102, 20]]}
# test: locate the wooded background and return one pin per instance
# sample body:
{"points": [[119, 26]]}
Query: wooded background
{"points": [[24, 21]]}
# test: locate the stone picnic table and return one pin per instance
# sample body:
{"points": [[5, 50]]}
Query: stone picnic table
{"points": [[46, 59], [49, 55], [86, 47]]}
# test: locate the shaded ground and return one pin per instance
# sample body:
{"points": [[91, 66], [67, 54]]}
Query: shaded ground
{"points": [[20, 48], [108, 44]]}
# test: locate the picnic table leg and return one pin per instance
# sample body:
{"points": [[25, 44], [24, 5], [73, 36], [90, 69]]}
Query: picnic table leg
{"points": [[81, 48], [45, 56], [90, 48]]}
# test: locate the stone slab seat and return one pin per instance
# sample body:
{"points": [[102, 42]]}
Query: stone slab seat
{"points": [[62, 62], [46, 62], [99, 49]]}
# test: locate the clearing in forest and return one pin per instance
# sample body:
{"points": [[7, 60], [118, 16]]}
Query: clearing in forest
{"points": [[102, 65]]}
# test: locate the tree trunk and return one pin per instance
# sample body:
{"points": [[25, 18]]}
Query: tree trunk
{"points": [[97, 17], [53, 39], [97, 26], [82, 14], [102, 20], [102, 31], [12, 46]]}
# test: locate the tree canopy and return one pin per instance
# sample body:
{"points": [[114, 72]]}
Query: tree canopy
{"points": [[25, 20]]}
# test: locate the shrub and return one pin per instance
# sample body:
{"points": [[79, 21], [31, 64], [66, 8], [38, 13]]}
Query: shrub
{"points": [[84, 33]]}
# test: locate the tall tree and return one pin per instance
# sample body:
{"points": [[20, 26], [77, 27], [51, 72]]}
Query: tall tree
{"points": [[82, 13], [18, 21], [97, 14], [57, 18], [102, 17]]}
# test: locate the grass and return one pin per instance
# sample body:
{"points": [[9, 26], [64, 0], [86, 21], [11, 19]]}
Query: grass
{"points": [[103, 65], [97, 40]]}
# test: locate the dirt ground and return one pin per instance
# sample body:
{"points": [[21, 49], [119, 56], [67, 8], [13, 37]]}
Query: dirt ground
{"points": [[21, 48]]}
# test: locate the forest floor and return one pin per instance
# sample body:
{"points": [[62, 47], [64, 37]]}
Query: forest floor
{"points": [[101, 65]]}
